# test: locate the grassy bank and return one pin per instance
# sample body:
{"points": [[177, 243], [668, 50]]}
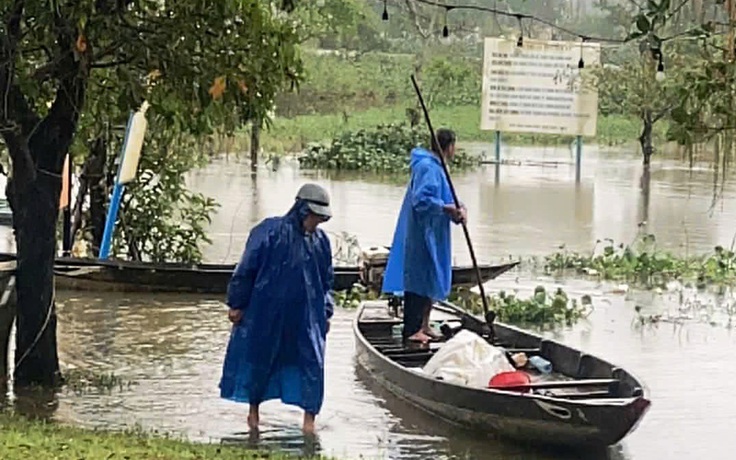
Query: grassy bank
{"points": [[292, 134], [21, 439]]}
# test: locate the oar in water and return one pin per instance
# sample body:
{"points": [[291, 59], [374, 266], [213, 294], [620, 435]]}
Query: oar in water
{"points": [[489, 315]]}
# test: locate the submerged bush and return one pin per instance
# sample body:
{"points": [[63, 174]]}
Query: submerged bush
{"points": [[383, 149]]}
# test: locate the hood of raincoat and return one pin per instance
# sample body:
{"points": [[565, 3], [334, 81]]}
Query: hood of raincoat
{"points": [[420, 153], [298, 212]]}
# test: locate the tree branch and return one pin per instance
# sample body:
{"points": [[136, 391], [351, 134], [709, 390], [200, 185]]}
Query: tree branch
{"points": [[16, 117], [108, 64], [57, 128], [662, 113], [415, 16]]}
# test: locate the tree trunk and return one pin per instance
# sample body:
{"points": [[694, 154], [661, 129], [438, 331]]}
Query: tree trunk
{"points": [[255, 144], [35, 208], [645, 139], [98, 187]]}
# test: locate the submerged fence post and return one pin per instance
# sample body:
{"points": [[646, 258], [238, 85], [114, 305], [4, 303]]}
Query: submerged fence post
{"points": [[578, 157]]}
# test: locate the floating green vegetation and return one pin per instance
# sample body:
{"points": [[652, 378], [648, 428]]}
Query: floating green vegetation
{"points": [[384, 149], [352, 298], [643, 264], [543, 309]]}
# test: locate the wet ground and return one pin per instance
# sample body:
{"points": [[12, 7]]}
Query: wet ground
{"points": [[172, 346]]}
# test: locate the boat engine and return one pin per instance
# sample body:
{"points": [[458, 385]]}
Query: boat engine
{"points": [[372, 266]]}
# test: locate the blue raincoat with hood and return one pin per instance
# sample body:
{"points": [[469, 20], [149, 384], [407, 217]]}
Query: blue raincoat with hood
{"points": [[283, 284], [420, 260]]}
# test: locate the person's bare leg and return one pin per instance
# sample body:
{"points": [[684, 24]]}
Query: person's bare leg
{"points": [[308, 427], [425, 323], [254, 417]]}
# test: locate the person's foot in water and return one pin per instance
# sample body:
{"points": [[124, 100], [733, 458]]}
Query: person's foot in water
{"points": [[308, 427], [254, 418]]}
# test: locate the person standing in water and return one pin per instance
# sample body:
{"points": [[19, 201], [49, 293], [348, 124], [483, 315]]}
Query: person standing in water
{"points": [[420, 261], [281, 302]]}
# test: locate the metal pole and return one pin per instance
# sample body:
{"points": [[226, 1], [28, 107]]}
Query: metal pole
{"points": [[112, 216], [578, 157], [498, 147]]}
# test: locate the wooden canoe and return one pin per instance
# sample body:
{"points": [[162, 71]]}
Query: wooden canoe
{"points": [[590, 404], [122, 276]]}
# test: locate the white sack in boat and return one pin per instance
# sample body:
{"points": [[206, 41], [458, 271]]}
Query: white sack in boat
{"points": [[467, 359]]}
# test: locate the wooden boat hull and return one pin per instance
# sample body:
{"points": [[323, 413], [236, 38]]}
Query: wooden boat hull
{"points": [[120, 276], [532, 419]]}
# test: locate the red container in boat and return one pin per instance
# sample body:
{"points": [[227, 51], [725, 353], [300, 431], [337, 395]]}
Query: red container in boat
{"points": [[510, 380]]}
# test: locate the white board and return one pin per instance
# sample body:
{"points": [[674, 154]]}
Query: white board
{"points": [[538, 87], [133, 145]]}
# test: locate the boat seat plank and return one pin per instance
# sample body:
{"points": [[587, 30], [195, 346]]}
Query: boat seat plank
{"points": [[548, 385], [582, 395]]}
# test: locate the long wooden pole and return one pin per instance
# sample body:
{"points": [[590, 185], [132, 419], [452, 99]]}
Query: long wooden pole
{"points": [[489, 315]]}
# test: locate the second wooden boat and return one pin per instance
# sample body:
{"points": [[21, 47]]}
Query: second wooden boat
{"points": [[121, 276]]}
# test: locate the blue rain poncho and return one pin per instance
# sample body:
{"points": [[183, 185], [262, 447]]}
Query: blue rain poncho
{"points": [[283, 284], [420, 260]]}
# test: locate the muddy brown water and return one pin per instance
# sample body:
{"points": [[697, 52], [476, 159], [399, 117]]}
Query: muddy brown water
{"points": [[172, 346]]}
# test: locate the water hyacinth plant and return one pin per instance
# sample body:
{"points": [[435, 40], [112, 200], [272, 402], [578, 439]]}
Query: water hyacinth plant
{"points": [[384, 149], [642, 263], [541, 310]]}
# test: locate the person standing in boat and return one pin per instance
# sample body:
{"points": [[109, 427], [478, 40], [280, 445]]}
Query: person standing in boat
{"points": [[420, 261], [281, 302]]}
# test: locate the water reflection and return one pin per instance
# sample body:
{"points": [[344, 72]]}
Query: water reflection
{"points": [[529, 210], [460, 443]]}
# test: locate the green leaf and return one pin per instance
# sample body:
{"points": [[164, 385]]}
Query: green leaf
{"points": [[634, 35], [643, 24]]}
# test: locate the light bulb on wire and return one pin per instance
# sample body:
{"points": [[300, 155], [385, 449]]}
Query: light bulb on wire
{"points": [[581, 62], [385, 11], [520, 40], [660, 69], [445, 29]]}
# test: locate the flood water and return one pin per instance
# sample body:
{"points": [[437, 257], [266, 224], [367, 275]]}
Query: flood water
{"points": [[172, 346]]}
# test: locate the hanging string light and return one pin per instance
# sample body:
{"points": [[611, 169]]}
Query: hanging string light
{"points": [[660, 68], [519, 16], [520, 41], [581, 62], [445, 30]]}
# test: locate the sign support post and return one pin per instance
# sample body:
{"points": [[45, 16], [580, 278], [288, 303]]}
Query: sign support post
{"points": [[578, 157]]}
